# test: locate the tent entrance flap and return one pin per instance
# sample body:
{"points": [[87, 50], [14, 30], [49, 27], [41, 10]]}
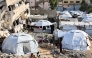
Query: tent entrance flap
{"points": [[26, 47]]}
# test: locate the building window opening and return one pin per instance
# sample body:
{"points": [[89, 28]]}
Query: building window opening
{"points": [[1, 7], [27, 11], [77, 1], [9, 7], [71, 1], [60, 0], [20, 2], [65, 1], [12, 7], [26, 2], [3, 17]]}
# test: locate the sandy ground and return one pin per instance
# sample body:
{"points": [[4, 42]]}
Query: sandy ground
{"points": [[45, 53], [90, 51]]}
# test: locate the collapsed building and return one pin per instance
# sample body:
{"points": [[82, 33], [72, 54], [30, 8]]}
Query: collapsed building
{"points": [[13, 12]]}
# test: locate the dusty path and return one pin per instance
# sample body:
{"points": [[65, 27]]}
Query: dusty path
{"points": [[90, 51], [45, 53]]}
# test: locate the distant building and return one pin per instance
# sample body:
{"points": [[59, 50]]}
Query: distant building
{"points": [[39, 4], [70, 5], [44, 4], [73, 1]]}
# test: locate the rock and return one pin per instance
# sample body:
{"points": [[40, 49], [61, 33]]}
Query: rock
{"points": [[61, 54]]}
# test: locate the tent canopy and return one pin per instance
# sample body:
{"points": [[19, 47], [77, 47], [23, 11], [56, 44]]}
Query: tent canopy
{"points": [[43, 23], [88, 18], [38, 16], [58, 33], [76, 40], [77, 12], [20, 43], [66, 15]]}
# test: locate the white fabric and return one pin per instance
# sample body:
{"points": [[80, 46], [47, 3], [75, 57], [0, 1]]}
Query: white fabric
{"points": [[16, 5], [88, 18], [69, 27], [76, 40], [73, 19], [32, 23], [77, 12], [38, 16], [33, 47], [58, 12], [14, 43], [66, 15], [58, 33], [24, 21], [20, 20], [66, 23], [20, 49], [43, 23]]}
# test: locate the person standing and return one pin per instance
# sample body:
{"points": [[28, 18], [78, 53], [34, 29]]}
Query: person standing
{"points": [[60, 43]]}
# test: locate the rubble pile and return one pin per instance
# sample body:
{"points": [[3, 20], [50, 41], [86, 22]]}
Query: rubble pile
{"points": [[5, 55], [76, 54], [46, 45], [66, 53], [72, 54]]}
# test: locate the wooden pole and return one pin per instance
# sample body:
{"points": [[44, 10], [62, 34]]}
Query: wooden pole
{"points": [[60, 43]]}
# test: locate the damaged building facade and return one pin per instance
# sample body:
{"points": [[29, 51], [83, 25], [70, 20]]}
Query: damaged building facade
{"points": [[13, 12]]}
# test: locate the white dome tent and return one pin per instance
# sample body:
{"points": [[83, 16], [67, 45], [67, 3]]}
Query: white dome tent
{"points": [[88, 18], [43, 23], [65, 15], [38, 16], [20, 44], [76, 40]]}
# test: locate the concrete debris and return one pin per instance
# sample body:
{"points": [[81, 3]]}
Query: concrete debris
{"points": [[49, 46], [18, 28], [66, 53], [4, 55]]}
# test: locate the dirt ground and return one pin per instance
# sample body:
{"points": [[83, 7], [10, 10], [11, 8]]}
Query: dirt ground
{"points": [[45, 53], [90, 51]]}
